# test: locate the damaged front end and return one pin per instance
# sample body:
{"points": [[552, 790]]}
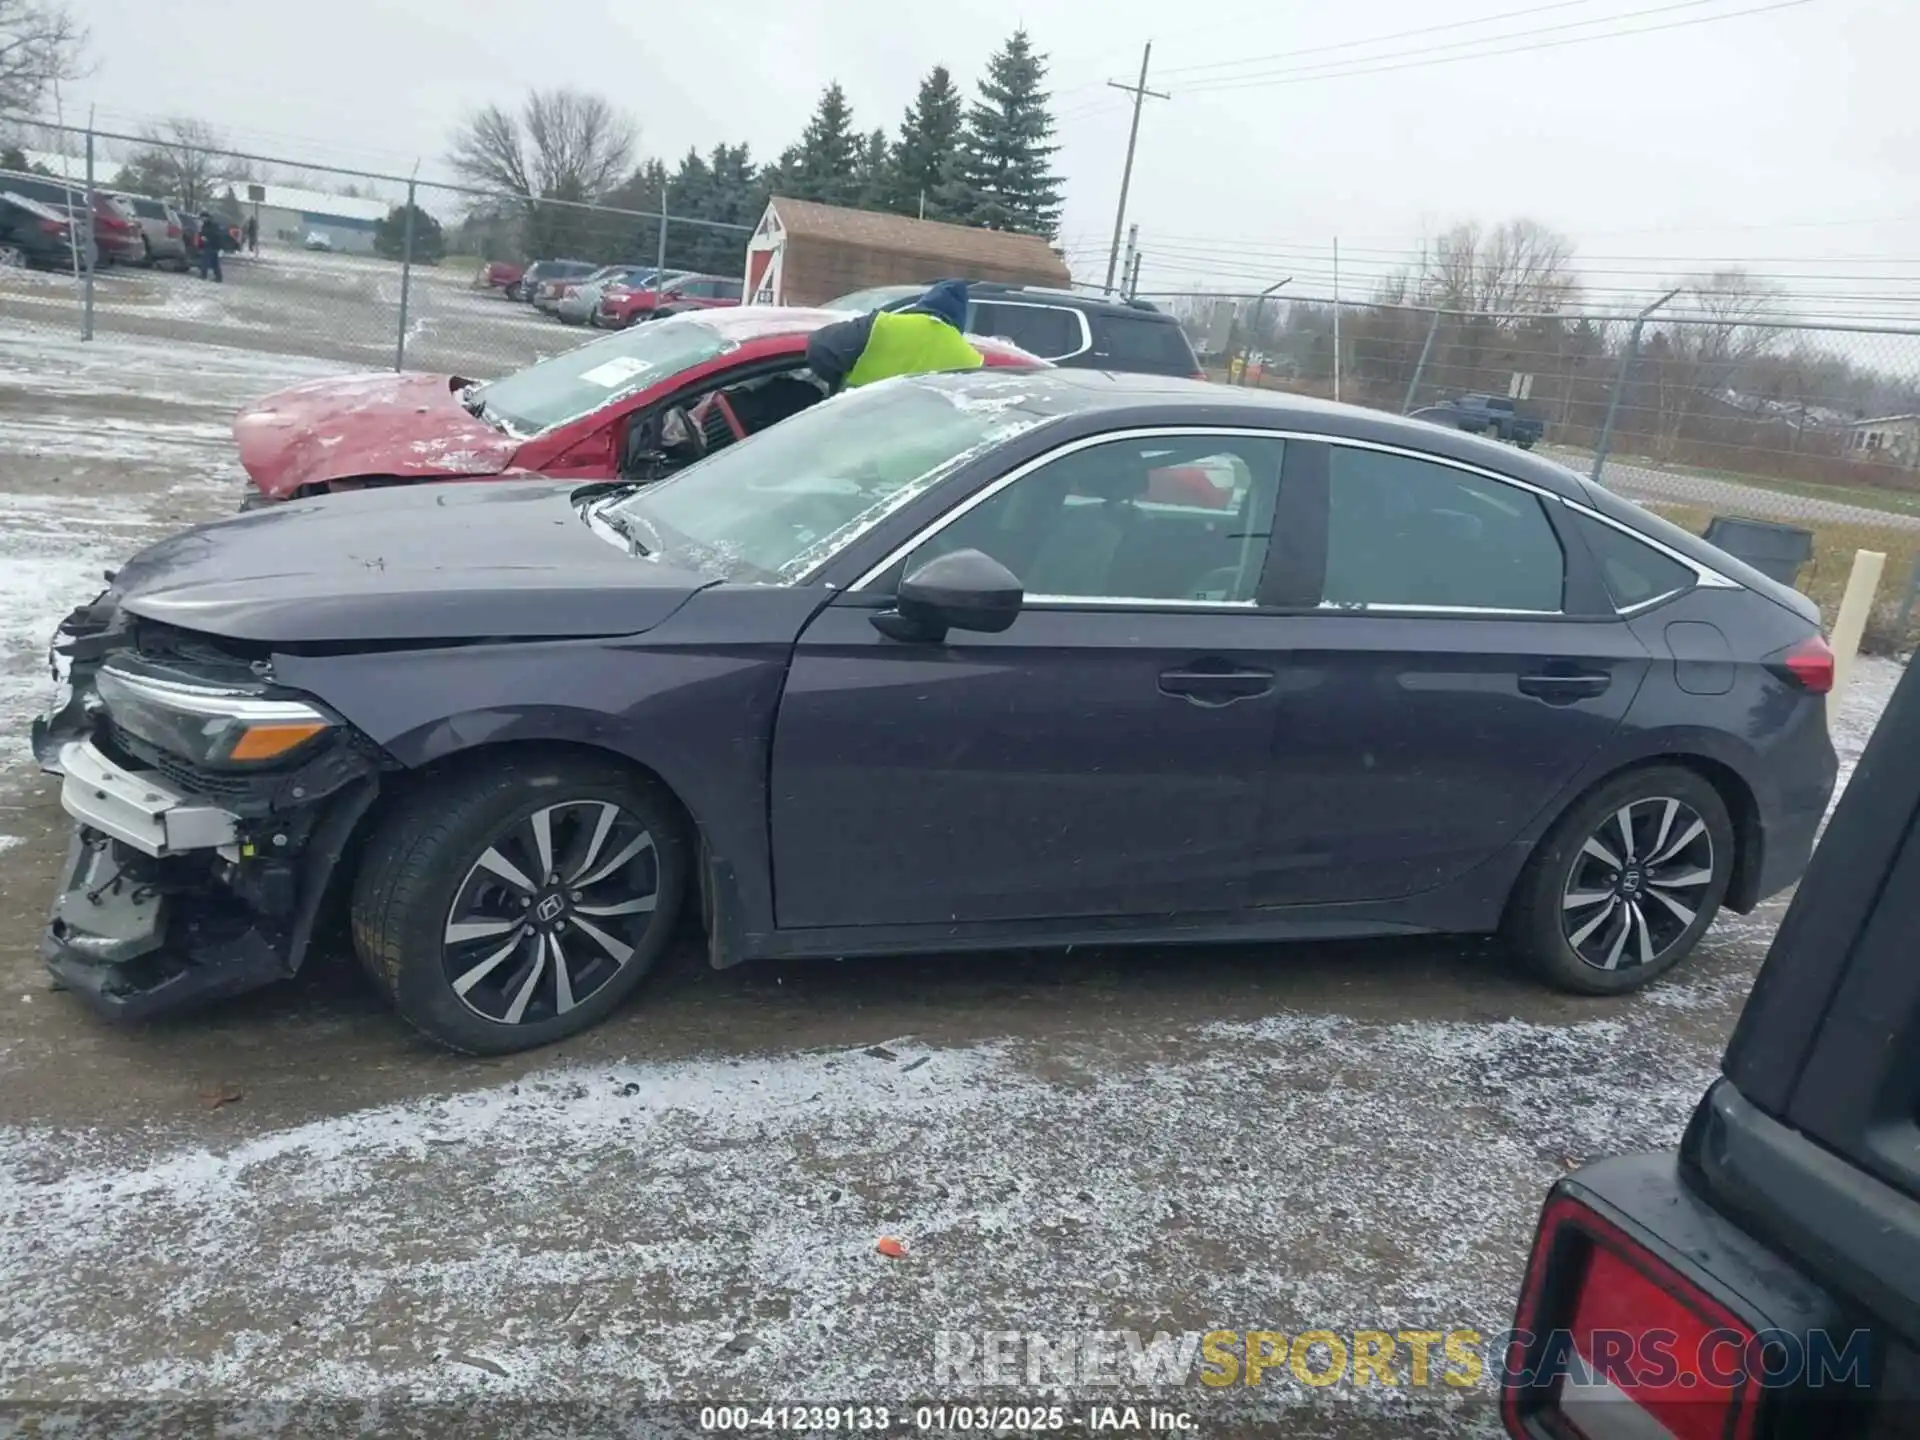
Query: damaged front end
{"points": [[86, 637], [211, 807]]}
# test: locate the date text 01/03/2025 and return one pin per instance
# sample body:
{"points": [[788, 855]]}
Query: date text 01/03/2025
{"points": [[939, 1419]]}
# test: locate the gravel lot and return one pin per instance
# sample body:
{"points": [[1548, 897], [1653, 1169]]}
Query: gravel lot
{"points": [[291, 1200]]}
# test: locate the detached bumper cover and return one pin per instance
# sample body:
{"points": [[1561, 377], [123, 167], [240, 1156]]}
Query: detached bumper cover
{"points": [[168, 900]]}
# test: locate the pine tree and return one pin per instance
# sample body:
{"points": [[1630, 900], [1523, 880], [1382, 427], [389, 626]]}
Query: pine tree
{"points": [[873, 171], [1006, 158], [824, 160], [924, 155]]}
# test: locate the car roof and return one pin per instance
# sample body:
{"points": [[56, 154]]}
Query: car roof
{"points": [[1171, 400]]}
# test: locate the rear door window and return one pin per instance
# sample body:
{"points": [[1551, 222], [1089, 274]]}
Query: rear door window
{"points": [[1044, 330], [1404, 532], [1139, 343]]}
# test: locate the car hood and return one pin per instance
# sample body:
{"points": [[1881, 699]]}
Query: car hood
{"points": [[410, 563], [411, 426]]}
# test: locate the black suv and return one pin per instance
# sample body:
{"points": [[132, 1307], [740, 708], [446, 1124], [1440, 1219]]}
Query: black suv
{"points": [[1764, 1279], [1087, 332]]}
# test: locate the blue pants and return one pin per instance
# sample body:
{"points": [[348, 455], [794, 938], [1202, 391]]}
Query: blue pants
{"points": [[210, 263]]}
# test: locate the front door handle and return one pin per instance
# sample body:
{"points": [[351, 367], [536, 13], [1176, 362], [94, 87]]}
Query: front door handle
{"points": [[1566, 687], [1220, 684]]}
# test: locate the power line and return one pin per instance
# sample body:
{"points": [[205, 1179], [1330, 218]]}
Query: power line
{"points": [[1396, 35], [1367, 67]]}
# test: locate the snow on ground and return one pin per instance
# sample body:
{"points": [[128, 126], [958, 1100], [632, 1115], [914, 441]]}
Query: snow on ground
{"points": [[707, 1228]]}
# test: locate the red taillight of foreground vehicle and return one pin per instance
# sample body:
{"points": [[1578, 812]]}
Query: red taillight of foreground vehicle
{"points": [[1612, 1342], [53, 227], [1808, 665]]}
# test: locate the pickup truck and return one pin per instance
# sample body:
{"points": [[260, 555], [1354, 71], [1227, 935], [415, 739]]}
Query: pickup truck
{"points": [[1495, 417]]}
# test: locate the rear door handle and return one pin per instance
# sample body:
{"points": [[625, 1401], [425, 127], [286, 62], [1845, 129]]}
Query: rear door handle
{"points": [[1566, 687], [1216, 685]]}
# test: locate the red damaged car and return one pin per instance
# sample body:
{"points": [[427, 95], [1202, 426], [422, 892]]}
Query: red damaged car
{"points": [[637, 404]]}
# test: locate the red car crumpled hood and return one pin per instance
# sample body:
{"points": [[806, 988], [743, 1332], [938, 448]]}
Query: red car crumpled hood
{"points": [[411, 426]]}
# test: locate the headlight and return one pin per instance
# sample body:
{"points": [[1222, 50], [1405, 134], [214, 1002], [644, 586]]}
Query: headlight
{"points": [[210, 724]]}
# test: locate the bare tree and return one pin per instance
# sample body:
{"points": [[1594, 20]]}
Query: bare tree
{"points": [[1519, 266], [181, 160], [1722, 325], [41, 44], [562, 144]]}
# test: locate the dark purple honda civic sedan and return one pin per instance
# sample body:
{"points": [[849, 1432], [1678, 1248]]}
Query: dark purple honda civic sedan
{"points": [[948, 662]]}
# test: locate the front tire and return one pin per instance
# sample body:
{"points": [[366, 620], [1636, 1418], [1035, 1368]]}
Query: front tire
{"points": [[1625, 884], [509, 906]]}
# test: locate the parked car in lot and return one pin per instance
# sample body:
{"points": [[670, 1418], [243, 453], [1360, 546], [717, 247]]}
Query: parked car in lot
{"points": [[1493, 416], [1080, 331], [921, 669], [599, 411], [499, 275], [116, 232], [162, 236], [33, 234], [581, 301], [544, 270], [1757, 1281], [317, 240], [549, 294], [623, 305]]}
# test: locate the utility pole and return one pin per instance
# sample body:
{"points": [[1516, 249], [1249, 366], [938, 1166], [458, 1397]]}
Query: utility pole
{"points": [[1133, 280], [1126, 263], [1140, 92]]}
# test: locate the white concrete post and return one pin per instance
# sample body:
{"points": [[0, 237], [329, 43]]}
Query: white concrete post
{"points": [[1856, 605]]}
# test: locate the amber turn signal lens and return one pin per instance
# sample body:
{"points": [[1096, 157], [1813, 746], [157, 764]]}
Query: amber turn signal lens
{"points": [[263, 742]]}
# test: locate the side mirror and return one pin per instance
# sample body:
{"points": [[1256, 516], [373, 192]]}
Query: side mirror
{"points": [[967, 590]]}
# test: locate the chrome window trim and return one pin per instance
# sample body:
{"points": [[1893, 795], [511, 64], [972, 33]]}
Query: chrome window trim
{"points": [[1080, 317], [1706, 575]]}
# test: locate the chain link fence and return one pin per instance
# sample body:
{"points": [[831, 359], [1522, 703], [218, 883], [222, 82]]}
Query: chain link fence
{"points": [[364, 269], [1693, 415]]}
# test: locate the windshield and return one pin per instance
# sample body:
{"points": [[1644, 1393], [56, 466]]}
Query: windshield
{"points": [[772, 507], [598, 373]]}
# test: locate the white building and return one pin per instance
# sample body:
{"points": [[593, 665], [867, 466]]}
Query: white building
{"points": [[1890, 439]]}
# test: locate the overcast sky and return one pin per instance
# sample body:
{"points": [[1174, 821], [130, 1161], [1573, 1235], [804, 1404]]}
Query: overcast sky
{"points": [[1787, 138]]}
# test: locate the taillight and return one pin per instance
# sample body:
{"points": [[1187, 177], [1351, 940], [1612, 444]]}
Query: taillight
{"points": [[53, 227], [1808, 665], [173, 232], [1611, 1341], [1198, 375]]}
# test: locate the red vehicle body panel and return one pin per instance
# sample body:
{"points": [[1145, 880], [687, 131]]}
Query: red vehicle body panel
{"points": [[338, 434], [498, 275], [117, 235], [621, 307]]}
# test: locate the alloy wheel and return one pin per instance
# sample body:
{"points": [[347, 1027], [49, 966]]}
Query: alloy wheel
{"points": [[12, 258], [1636, 885], [551, 911]]}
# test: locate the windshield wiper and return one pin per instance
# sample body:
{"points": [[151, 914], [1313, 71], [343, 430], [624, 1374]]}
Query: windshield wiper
{"points": [[623, 526], [473, 402]]}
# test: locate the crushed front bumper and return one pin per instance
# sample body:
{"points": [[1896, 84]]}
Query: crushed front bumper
{"points": [[169, 899]]}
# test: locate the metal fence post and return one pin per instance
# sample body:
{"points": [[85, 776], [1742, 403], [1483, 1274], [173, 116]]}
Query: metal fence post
{"points": [[86, 285], [660, 263], [1900, 630], [1420, 365], [406, 279], [1620, 384]]}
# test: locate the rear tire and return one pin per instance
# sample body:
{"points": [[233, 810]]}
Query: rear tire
{"points": [[481, 954], [1595, 915]]}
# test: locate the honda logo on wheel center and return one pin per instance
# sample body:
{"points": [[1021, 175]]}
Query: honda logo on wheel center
{"points": [[549, 909]]}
